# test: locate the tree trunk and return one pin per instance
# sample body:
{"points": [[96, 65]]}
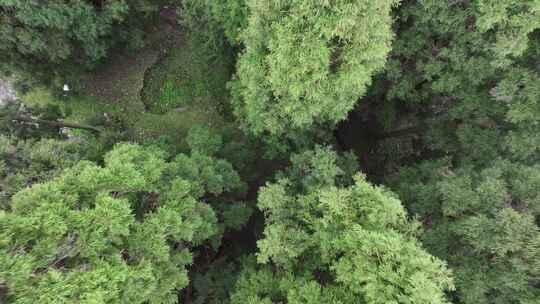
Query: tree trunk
{"points": [[402, 132], [61, 124], [421, 127]]}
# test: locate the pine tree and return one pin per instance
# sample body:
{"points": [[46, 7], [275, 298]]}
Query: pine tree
{"points": [[121, 232], [325, 242], [30, 161], [306, 63], [467, 70], [43, 39], [216, 21]]}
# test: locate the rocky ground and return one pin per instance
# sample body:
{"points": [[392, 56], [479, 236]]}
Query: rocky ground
{"points": [[6, 91]]}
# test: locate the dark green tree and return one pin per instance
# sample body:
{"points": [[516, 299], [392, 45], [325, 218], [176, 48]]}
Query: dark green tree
{"points": [[216, 21], [48, 39], [483, 222], [25, 162], [121, 232], [467, 71], [331, 239]]}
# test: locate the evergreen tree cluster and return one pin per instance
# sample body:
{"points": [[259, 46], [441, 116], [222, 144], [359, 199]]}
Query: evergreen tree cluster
{"points": [[361, 151]]}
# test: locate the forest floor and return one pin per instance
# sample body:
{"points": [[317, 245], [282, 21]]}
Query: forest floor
{"points": [[116, 89]]}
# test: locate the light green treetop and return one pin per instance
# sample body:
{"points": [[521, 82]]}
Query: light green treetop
{"points": [[123, 232], [324, 243], [308, 62]]}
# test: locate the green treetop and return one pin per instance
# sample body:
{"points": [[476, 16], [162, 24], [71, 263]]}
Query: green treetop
{"points": [[215, 20], [470, 67], [482, 221], [328, 243], [44, 38], [25, 162], [308, 62], [123, 232]]}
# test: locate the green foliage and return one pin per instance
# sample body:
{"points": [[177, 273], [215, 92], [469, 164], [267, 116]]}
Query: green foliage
{"points": [[513, 22], [470, 68], [521, 90], [122, 233], [307, 62], [457, 107], [212, 20], [482, 223], [333, 244], [215, 285], [202, 139], [25, 162], [38, 38], [187, 77], [451, 55]]}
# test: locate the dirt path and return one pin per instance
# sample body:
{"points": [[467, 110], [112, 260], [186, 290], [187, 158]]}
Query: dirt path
{"points": [[122, 76]]}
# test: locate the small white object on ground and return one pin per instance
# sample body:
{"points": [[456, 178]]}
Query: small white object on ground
{"points": [[7, 93]]}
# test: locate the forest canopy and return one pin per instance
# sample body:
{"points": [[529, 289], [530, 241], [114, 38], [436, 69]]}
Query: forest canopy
{"points": [[267, 151]]}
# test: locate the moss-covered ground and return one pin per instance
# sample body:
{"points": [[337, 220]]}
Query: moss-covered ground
{"points": [[157, 92]]}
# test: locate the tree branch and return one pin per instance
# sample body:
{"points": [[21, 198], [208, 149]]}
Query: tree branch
{"points": [[53, 123]]}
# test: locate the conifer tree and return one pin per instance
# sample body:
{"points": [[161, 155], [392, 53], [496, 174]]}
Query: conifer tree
{"points": [[216, 21], [469, 68], [41, 39], [306, 63], [25, 162], [330, 239], [121, 232]]}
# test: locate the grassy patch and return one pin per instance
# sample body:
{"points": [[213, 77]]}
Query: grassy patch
{"points": [[80, 108], [187, 77], [159, 92], [173, 126], [121, 77]]}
